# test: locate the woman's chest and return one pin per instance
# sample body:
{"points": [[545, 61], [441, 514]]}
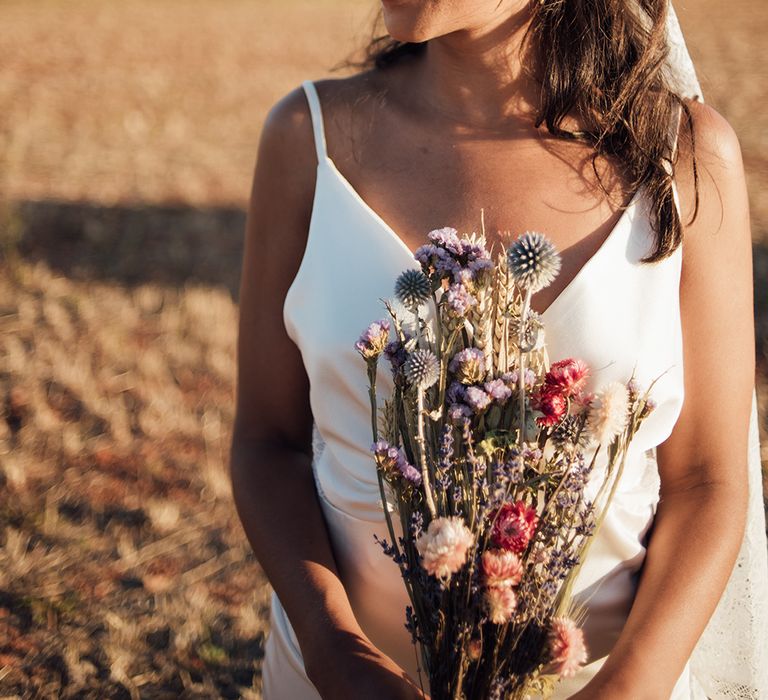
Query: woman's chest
{"points": [[500, 187], [617, 314]]}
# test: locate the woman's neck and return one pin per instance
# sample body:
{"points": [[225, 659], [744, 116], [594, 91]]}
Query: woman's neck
{"points": [[476, 78]]}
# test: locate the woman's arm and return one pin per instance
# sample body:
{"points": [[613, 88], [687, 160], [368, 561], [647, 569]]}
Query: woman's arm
{"points": [[270, 466], [700, 519]]}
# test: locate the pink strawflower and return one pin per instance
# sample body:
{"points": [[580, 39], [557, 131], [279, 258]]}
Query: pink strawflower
{"points": [[501, 603], [514, 526], [568, 376], [443, 547], [501, 568], [567, 649], [552, 403]]}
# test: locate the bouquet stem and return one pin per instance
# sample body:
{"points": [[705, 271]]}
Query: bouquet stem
{"points": [[423, 452], [521, 363]]}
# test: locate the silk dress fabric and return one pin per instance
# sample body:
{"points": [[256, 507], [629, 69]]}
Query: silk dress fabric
{"points": [[616, 314]]}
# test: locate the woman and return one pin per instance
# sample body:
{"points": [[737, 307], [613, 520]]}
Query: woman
{"points": [[556, 116]]}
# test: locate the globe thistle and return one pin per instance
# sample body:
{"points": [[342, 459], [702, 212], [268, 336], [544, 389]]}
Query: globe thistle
{"points": [[608, 413], [566, 431], [422, 368], [412, 288], [533, 260]]}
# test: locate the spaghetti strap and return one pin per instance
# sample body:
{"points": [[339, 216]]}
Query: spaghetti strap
{"points": [[669, 165], [677, 120], [317, 118]]}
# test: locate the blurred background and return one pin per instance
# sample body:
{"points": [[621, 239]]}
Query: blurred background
{"points": [[128, 133]]}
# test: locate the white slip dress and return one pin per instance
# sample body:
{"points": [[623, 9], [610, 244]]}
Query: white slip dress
{"points": [[616, 314]]}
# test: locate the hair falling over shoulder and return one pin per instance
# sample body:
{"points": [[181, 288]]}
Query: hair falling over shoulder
{"points": [[605, 62]]}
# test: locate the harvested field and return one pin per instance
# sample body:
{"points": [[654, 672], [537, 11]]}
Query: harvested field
{"points": [[127, 139]]}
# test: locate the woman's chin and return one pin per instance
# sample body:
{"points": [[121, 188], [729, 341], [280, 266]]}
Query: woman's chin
{"points": [[403, 23]]}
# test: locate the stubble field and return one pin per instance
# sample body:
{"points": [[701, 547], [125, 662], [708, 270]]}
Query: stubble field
{"points": [[128, 133]]}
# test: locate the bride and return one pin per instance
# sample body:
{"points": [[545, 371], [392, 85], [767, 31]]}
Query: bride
{"points": [[578, 118]]}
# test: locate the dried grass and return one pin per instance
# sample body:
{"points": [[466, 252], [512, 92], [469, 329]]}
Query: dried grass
{"points": [[123, 568]]}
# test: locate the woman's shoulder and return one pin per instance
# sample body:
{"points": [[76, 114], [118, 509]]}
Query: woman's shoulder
{"points": [[709, 155], [715, 138], [288, 124]]}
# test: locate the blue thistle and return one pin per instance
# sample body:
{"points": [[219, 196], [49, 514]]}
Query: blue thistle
{"points": [[533, 260], [412, 288]]}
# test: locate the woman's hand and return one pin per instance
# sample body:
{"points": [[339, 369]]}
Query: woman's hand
{"points": [[352, 667]]}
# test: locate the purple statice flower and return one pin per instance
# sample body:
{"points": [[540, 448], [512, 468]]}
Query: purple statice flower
{"points": [[477, 398], [472, 259], [425, 255], [385, 454], [435, 259], [446, 266], [510, 378], [395, 352], [480, 264], [391, 459], [468, 365], [409, 472], [458, 412], [463, 277], [459, 299], [447, 238], [373, 340], [498, 390], [455, 392], [475, 256]]}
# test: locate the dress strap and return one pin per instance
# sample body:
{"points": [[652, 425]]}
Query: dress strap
{"points": [[674, 132], [674, 127], [677, 120], [316, 113]]}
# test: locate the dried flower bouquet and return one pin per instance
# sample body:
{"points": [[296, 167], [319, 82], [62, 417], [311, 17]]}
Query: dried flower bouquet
{"points": [[484, 451]]}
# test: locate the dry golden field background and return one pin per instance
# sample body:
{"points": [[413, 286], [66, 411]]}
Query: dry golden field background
{"points": [[128, 133]]}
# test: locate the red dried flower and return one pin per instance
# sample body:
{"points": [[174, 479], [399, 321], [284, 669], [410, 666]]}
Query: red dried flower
{"points": [[552, 403], [568, 377], [514, 526]]}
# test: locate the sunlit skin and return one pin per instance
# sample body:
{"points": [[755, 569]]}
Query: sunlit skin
{"points": [[455, 131]]}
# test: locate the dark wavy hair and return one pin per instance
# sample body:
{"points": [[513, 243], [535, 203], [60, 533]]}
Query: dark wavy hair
{"points": [[605, 63]]}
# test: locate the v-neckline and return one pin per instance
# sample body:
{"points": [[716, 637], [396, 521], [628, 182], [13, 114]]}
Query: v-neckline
{"points": [[558, 300]]}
